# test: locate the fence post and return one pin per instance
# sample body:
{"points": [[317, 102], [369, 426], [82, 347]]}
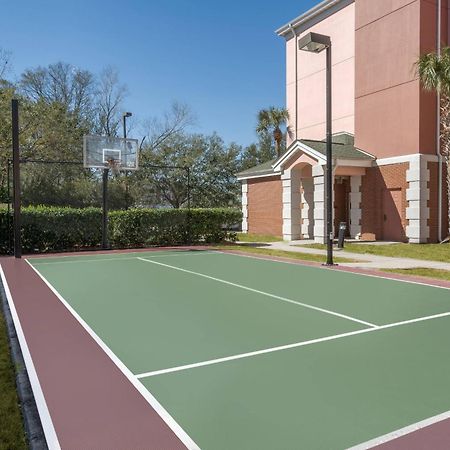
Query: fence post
{"points": [[16, 177], [105, 243]]}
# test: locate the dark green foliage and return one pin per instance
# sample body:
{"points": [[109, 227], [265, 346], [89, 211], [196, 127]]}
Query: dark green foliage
{"points": [[48, 229]]}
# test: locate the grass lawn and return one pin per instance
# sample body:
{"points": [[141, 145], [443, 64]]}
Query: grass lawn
{"points": [[11, 427], [282, 253], [430, 252], [423, 272], [245, 237]]}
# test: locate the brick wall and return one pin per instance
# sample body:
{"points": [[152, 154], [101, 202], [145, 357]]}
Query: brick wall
{"points": [[265, 206], [433, 203], [374, 183]]}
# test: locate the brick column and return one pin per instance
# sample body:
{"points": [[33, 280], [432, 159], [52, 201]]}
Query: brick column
{"points": [[291, 205], [244, 206], [417, 196], [355, 205], [319, 204]]}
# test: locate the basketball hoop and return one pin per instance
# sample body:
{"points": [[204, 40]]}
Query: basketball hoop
{"points": [[114, 165]]}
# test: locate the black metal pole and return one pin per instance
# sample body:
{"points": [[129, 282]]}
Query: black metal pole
{"points": [[8, 220], [105, 243], [329, 171], [16, 177], [188, 187], [189, 203], [124, 123]]}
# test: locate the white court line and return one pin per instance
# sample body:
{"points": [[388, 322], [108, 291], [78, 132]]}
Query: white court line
{"points": [[44, 414], [165, 416], [267, 294], [81, 261], [401, 432], [114, 259], [287, 347], [263, 257]]}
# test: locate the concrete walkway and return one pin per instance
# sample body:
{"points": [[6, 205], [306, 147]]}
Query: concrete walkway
{"points": [[366, 261]]}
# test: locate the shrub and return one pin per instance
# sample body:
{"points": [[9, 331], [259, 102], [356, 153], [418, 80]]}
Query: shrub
{"points": [[46, 229]]}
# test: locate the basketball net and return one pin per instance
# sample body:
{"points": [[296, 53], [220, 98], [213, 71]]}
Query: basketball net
{"points": [[114, 166]]}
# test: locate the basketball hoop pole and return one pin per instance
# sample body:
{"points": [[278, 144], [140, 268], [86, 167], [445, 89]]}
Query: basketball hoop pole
{"points": [[105, 243]]}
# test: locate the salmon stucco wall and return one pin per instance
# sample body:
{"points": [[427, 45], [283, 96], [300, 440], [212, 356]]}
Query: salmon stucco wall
{"points": [[265, 206], [394, 115], [311, 78]]}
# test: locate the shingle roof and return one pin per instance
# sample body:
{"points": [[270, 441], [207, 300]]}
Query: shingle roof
{"points": [[340, 150], [260, 169], [343, 148]]}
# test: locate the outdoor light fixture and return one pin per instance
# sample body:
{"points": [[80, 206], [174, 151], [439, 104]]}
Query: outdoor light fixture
{"points": [[313, 42], [316, 43], [124, 116]]}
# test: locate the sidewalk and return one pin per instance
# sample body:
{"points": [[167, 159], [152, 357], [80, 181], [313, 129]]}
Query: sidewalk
{"points": [[366, 261]]}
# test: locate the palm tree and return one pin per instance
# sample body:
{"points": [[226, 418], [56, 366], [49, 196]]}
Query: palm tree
{"points": [[270, 120], [434, 74]]}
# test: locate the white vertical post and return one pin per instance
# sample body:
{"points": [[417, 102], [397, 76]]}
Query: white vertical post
{"points": [[355, 205], [244, 206], [291, 205], [319, 204], [417, 196]]}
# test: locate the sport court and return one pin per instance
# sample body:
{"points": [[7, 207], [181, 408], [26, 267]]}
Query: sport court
{"points": [[248, 353]]}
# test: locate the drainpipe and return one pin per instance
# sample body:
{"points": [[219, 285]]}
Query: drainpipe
{"points": [[438, 124], [296, 78]]}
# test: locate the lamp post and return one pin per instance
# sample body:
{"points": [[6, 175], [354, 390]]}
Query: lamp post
{"points": [[316, 43], [124, 118]]}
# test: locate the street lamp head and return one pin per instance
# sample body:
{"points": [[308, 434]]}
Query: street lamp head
{"points": [[127, 114], [314, 42]]}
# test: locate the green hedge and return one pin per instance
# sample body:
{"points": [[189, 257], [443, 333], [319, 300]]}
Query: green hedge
{"points": [[47, 229]]}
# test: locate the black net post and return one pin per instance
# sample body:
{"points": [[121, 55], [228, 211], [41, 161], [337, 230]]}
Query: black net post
{"points": [[8, 218], [16, 177], [105, 243], [189, 237]]}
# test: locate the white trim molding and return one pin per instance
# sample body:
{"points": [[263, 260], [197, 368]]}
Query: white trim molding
{"points": [[404, 158], [252, 177], [295, 147]]}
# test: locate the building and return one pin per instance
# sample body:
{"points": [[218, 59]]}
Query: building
{"points": [[385, 151]]}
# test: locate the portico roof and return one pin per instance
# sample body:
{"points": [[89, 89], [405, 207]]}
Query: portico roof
{"points": [[343, 149]]}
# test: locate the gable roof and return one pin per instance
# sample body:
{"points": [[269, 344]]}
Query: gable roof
{"points": [[343, 149]]}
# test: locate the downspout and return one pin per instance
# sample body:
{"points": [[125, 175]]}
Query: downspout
{"points": [[296, 78], [438, 124]]}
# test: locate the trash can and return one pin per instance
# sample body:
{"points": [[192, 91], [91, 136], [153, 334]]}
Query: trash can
{"points": [[342, 231]]}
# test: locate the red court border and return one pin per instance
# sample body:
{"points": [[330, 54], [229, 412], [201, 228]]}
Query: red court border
{"points": [[91, 402]]}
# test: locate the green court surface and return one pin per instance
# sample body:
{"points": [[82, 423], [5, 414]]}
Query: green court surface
{"points": [[246, 353]]}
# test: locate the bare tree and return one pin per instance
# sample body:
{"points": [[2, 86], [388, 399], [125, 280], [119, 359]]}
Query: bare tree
{"points": [[5, 58], [176, 120], [110, 94], [62, 83]]}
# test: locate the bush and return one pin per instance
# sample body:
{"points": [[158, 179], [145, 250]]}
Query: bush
{"points": [[47, 229]]}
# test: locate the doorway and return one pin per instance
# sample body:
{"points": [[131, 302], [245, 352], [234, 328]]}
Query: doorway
{"points": [[342, 203]]}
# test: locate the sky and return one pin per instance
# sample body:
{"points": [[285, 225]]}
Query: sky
{"points": [[223, 59]]}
